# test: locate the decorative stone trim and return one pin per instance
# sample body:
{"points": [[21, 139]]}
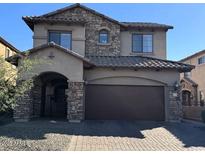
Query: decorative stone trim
{"points": [[22, 110], [175, 105], [75, 100]]}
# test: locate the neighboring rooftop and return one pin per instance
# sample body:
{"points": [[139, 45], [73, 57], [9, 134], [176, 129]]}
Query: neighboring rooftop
{"points": [[3, 41], [138, 62], [193, 55], [48, 18]]}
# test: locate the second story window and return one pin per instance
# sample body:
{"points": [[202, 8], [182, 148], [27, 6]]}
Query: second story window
{"points": [[201, 60], [61, 38], [103, 36], [142, 43], [7, 53]]}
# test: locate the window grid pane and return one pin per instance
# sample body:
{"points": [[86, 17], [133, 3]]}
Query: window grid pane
{"points": [[103, 37], [61, 38], [65, 40], [147, 43], [54, 37], [201, 60], [137, 43], [141, 43]]}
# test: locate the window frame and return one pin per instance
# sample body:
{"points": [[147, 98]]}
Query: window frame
{"points": [[61, 31], [108, 36], [202, 57], [147, 52], [7, 52]]}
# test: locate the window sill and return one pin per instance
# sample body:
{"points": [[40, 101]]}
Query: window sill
{"points": [[141, 53], [102, 44], [201, 64]]}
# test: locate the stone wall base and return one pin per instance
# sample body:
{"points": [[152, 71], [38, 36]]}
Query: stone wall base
{"points": [[75, 101], [174, 104]]}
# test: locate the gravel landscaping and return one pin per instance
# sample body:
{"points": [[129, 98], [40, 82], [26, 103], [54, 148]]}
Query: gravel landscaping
{"points": [[36, 135]]}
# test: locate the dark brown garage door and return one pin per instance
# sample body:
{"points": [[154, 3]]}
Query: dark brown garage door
{"points": [[113, 102]]}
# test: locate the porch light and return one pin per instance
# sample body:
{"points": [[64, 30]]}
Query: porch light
{"points": [[176, 85]]}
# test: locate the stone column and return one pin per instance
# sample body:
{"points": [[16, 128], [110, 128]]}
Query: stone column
{"points": [[174, 104], [23, 108], [36, 98], [75, 101]]}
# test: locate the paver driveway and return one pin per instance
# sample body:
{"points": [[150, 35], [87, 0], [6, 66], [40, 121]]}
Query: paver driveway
{"points": [[101, 135]]}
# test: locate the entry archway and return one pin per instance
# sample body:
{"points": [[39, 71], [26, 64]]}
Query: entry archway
{"points": [[53, 97]]}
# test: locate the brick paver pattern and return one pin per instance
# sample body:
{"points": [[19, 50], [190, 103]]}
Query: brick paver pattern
{"points": [[155, 139], [102, 136]]}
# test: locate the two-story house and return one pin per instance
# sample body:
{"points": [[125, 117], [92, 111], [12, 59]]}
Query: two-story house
{"points": [[7, 50], [100, 69], [193, 86]]}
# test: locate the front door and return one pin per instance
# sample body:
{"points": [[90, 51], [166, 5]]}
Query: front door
{"points": [[59, 103]]}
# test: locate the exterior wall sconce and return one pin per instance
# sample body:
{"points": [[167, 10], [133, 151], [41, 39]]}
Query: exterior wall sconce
{"points": [[176, 85]]}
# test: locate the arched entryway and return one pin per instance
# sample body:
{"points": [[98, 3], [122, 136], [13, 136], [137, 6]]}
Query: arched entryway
{"points": [[186, 98], [53, 96]]}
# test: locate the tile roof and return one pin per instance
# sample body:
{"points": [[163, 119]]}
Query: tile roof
{"points": [[8, 45], [30, 20], [49, 18], [138, 62], [146, 25], [193, 55], [14, 59], [54, 45]]}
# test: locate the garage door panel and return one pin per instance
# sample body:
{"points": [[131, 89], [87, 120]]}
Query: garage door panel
{"points": [[112, 102]]}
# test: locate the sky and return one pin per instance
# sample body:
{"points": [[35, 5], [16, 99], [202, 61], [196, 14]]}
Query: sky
{"points": [[187, 37]]}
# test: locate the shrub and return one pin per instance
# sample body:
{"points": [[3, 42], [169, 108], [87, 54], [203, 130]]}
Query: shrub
{"points": [[9, 90]]}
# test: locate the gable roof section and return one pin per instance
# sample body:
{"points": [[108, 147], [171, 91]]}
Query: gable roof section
{"points": [[189, 81], [31, 20], [192, 56], [53, 45], [14, 59], [3, 41], [48, 17], [140, 62], [82, 7]]}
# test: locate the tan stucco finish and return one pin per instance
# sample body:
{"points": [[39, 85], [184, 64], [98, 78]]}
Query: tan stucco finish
{"points": [[62, 63], [3, 49], [78, 35], [130, 77], [197, 74], [159, 43]]}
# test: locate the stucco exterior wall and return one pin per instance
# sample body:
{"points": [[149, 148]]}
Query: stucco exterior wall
{"points": [[197, 74], [2, 50], [62, 63], [159, 43], [130, 77], [78, 35]]}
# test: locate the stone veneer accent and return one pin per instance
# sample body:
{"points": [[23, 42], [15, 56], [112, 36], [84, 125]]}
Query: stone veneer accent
{"points": [[92, 27], [36, 98], [174, 104], [75, 100], [187, 86], [29, 105], [22, 110]]}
